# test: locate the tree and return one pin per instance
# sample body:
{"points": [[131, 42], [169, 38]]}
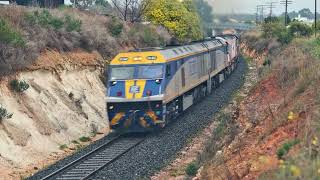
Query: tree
{"points": [[300, 29], [271, 20], [277, 30], [306, 12], [83, 4], [131, 10], [180, 18], [102, 3], [205, 12]]}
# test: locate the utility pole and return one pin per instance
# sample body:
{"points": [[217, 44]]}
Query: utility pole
{"points": [[271, 7], [286, 3], [315, 18], [262, 8], [257, 14]]}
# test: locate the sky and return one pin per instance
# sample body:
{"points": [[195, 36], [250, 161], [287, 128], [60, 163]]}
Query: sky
{"points": [[249, 6]]}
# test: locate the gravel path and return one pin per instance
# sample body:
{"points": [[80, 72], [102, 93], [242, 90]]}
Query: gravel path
{"points": [[159, 149]]}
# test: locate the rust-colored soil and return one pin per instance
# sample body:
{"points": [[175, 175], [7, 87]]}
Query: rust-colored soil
{"points": [[51, 59], [255, 149]]}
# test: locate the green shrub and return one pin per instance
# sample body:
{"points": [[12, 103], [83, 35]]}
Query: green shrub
{"points": [[56, 23], [271, 19], [285, 37], [192, 169], [300, 29], [10, 36], [277, 30], [115, 27], [63, 146], [147, 35], [19, 86], [84, 139], [285, 148], [267, 62], [72, 24], [45, 19], [75, 142], [220, 130], [4, 114]]}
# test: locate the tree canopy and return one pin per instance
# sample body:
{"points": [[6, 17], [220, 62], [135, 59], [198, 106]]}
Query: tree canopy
{"points": [[205, 12], [180, 18], [306, 12]]}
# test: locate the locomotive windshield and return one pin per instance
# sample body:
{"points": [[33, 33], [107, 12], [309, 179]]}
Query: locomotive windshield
{"points": [[150, 72], [136, 72], [122, 73]]}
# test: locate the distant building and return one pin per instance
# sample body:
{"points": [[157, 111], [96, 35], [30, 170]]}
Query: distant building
{"points": [[4, 2], [303, 19], [41, 3]]}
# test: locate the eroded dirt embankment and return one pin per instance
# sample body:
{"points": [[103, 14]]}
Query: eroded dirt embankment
{"points": [[65, 101], [277, 104], [278, 109]]}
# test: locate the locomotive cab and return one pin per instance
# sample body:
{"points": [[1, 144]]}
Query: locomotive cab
{"points": [[135, 92]]}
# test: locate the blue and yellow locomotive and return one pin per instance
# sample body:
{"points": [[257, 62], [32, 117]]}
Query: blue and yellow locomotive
{"points": [[148, 88]]}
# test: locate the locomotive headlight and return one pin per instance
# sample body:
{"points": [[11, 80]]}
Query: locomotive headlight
{"points": [[123, 58], [138, 58], [113, 83], [111, 107], [152, 58], [158, 81]]}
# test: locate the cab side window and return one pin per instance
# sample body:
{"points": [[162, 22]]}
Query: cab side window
{"points": [[168, 70]]}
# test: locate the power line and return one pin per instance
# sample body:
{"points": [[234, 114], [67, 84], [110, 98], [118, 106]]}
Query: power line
{"points": [[260, 13], [271, 6], [257, 13], [286, 3]]}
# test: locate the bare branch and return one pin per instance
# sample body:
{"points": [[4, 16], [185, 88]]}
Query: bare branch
{"points": [[131, 10]]}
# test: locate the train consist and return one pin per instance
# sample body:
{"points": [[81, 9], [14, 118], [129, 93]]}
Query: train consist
{"points": [[149, 88]]}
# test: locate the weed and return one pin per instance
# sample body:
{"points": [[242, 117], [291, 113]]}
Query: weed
{"points": [[146, 35], [56, 23], [84, 139], [301, 87], [115, 27], [63, 146], [219, 131], [19, 86], [4, 114], [72, 24], [75, 142], [192, 169], [79, 147], [10, 36], [285, 148], [45, 19]]}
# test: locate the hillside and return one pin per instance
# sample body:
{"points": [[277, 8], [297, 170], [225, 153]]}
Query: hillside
{"points": [[277, 123], [27, 32], [52, 66]]}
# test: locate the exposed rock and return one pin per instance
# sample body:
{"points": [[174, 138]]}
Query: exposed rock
{"points": [[62, 104]]}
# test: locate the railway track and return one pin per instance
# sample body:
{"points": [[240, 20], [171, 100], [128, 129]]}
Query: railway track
{"points": [[90, 163]]}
